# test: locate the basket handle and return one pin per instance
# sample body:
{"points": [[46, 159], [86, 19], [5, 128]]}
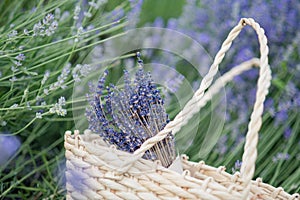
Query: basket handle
{"points": [[225, 78], [250, 151]]}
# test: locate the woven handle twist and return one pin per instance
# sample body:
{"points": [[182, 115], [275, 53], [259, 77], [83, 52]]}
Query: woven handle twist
{"points": [[225, 78], [193, 106]]}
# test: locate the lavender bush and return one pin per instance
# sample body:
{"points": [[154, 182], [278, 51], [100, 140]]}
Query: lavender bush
{"points": [[43, 45]]}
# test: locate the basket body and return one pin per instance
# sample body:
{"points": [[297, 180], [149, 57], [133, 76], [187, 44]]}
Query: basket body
{"points": [[92, 173]]}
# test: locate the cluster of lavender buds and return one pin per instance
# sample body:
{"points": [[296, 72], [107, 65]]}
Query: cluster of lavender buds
{"points": [[126, 117], [45, 28]]}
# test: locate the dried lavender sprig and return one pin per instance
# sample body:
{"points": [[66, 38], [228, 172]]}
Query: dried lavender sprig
{"points": [[129, 116]]}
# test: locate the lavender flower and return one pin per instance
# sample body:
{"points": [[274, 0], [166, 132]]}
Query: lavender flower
{"points": [[237, 166], [93, 4], [287, 133], [20, 57], [115, 14], [13, 79], [14, 105], [38, 115], [45, 78], [18, 63], [87, 14], [8, 146], [174, 83], [12, 34], [127, 117], [80, 70], [60, 83], [58, 107], [281, 117], [47, 27], [133, 15], [280, 157], [222, 145], [13, 69], [76, 12], [26, 32]]}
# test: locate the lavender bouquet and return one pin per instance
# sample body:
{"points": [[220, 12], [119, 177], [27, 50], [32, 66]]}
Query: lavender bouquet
{"points": [[126, 117]]}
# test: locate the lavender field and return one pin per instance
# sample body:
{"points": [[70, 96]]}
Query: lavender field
{"points": [[125, 69]]}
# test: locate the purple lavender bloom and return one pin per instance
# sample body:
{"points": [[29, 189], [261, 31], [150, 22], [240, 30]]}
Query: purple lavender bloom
{"points": [[291, 89], [222, 145], [127, 117], [281, 117], [287, 133], [269, 105], [173, 83], [237, 166], [284, 104], [8, 146], [296, 100], [116, 14], [134, 13], [280, 156]]}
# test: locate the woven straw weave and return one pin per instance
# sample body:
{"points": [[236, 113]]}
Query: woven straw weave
{"points": [[97, 171]]}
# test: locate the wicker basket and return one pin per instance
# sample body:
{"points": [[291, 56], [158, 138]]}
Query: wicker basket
{"points": [[98, 171]]}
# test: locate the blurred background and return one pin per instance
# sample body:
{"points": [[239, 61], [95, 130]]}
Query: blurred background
{"points": [[50, 50]]}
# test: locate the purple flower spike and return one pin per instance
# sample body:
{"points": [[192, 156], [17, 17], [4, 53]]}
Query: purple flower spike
{"points": [[8, 146], [287, 133], [128, 116]]}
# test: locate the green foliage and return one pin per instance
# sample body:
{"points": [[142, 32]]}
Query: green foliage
{"points": [[160, 8]]}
